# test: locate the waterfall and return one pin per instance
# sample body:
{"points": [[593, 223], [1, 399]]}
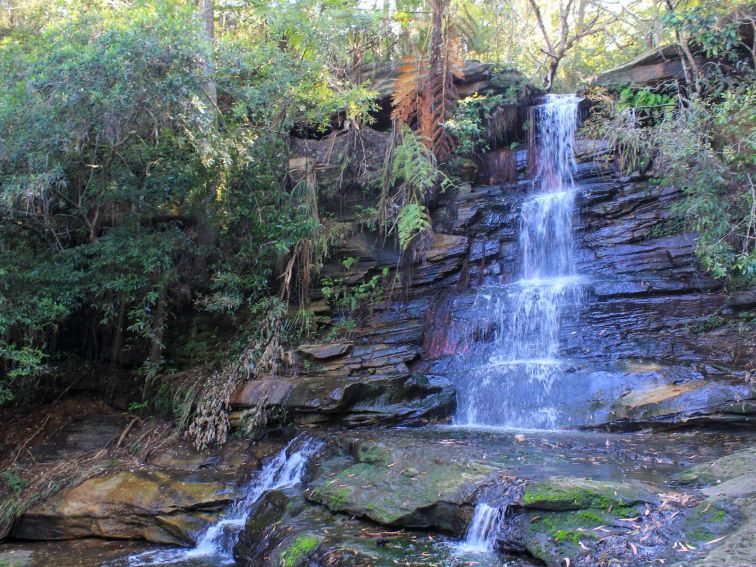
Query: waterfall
{"points": [[217, 542], [514, 388], [481, 535]]}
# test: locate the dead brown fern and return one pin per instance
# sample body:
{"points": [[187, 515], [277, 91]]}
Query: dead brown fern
{"points": [[424, 93], [260, 359]]}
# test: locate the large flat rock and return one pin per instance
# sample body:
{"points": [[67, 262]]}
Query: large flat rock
{"points": [[158, 506], [396, 485]]}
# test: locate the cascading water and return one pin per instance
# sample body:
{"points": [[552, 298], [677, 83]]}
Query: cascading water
{"points": [[217, 542], [513, 389], [481, 535]]}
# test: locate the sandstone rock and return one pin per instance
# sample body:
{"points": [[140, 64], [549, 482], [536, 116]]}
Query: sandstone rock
{"points": [[157, 506], [439, 495], [265, 392], [560, 494], [698, 401], [475, 77], [371, 399], [724, 524], [569, 517], [445, 245], [651, 68], [89, 433], [325, 351]]}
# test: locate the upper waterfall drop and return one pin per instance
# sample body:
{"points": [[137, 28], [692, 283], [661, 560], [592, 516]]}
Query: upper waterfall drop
{"points": [[514, 388], [556, 123]]}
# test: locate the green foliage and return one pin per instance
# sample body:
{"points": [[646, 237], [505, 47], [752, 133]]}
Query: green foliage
{"points": [[15, 482], [139, 407], [700, 22], [414, 166], [415, 175], [412, 220], [630, 97], [707, 149], [468, 123], [351, 299], [126, 194]]}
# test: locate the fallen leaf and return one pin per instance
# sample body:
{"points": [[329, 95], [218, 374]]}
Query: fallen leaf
{"points": [[712, 542]]}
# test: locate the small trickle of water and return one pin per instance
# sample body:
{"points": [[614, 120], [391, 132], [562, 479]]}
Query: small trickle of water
{"points": [[217, 542], [481, 535]]}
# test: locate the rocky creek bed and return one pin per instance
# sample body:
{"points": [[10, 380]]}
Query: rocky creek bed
{"points": [[400, 496]]}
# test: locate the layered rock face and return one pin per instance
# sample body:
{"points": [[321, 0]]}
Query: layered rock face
{"points": [[653, 338]]}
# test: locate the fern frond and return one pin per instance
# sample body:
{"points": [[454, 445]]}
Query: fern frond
{"points": [[413, 220]]}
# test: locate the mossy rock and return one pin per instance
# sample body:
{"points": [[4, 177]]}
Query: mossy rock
{"points": [[577, 493], [738, 464], [401, 486], [706, 522], [263, 532], [551, 535], [296, 552]]}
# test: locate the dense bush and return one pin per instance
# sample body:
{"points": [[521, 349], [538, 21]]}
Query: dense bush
{"points": [[707, 148], [127, 190]]}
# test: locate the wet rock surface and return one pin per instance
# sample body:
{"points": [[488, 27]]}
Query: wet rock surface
{"points": [[360, 400], [728, 515], [377, 496], [396, 485]]}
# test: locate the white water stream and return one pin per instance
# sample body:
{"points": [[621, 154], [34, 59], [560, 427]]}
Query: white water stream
{"points": [[217, 542], [513, 388], [481, 535]]}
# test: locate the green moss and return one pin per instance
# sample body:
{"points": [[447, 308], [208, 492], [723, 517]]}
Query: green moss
{"points": [[373, 454], [590, 517], [567, 535], [298, 550], [705, 522], [337, 497], [576, 494]]}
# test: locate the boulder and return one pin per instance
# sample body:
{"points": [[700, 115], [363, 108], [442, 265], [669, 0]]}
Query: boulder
{"points": [[475, 77], [395, 485], [703, 401], [89, 433], [724, 525], [651, 68], [564, 493], [590, 522], [158, 506], [371, 399]]}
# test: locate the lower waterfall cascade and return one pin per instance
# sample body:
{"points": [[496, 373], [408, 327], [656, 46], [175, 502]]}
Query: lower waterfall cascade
{"points": [[285, 469], [481, 534]]}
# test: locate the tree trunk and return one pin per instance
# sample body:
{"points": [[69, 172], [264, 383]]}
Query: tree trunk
{"points": [[205, 233], [208, 21], [118, 340], [548, 79]]}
